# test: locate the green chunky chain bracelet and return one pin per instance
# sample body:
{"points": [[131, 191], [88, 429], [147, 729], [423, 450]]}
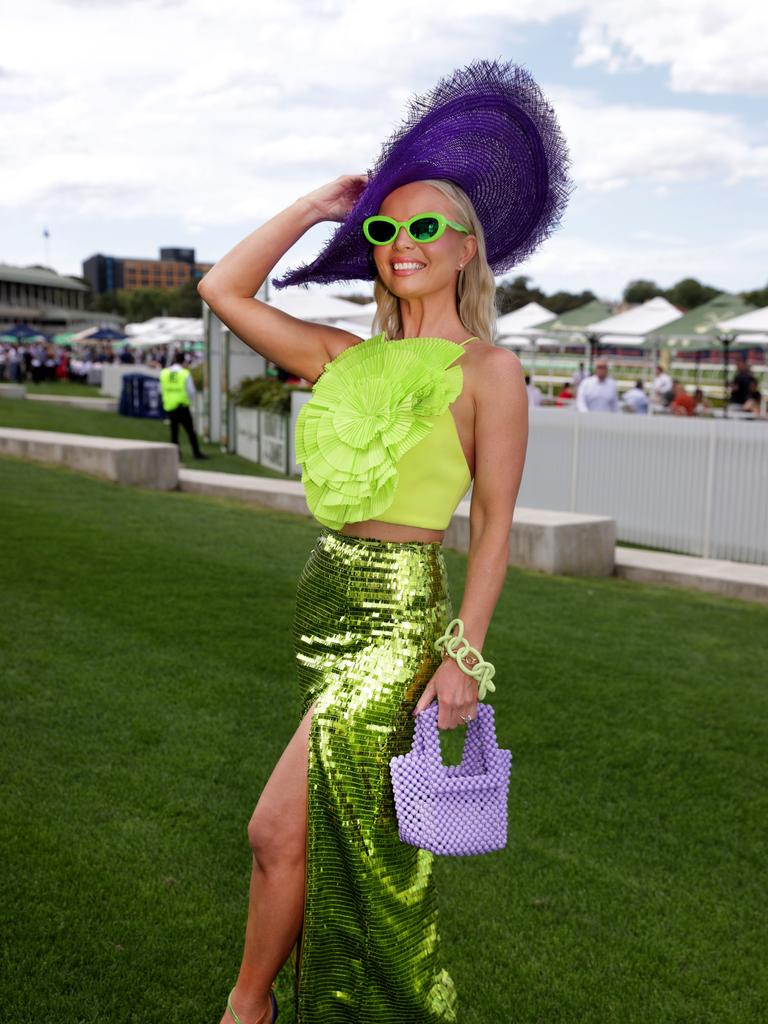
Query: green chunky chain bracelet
{"points": [[482, 671]]}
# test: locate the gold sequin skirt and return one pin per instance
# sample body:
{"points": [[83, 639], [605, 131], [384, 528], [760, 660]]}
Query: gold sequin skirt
{"points": [[367, 614]]}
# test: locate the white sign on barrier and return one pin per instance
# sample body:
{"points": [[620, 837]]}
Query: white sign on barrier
{"points": [[273, 440]]}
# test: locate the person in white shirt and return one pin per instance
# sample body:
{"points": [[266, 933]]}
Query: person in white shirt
{"points": [[598, 393], [663, 388], [635, 399], [534, 395]]}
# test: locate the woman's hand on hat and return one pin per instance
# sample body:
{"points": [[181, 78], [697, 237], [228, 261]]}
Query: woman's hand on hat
{"points": [[334, 200]]}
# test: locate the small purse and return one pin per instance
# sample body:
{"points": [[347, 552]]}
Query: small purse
{"points": [[457, 809]]}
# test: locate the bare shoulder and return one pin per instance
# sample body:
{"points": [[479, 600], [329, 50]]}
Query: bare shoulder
{"points": [[492, 367]]}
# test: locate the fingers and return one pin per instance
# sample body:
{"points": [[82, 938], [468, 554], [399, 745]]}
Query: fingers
{"points": [[450, 716], [426, 698]]}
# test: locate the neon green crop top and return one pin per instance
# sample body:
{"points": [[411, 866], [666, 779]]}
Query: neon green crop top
{"points": [[377, 439]]}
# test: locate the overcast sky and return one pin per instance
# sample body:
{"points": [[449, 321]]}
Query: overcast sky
{"points": [[134, 124]]}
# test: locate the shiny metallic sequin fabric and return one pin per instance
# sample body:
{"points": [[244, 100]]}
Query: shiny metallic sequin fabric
{"points": [[367, 615]]}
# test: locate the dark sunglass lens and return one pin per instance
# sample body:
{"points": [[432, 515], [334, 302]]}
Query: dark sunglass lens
{"points": [[425, 228], [381, 231]]}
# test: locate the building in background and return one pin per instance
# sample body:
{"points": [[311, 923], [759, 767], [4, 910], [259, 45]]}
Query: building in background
{"points": [[176, 267], [43, 299]]}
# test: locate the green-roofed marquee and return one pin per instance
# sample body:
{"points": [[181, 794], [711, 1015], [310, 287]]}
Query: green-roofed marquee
{"points": [[589, 313], [697, 329]]}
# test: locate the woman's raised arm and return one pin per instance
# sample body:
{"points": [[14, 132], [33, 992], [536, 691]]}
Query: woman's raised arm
{"points": [[298, 346]]}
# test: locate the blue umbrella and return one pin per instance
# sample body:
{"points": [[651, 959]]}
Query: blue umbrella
{"points": [[105, 334], [22, 331]]}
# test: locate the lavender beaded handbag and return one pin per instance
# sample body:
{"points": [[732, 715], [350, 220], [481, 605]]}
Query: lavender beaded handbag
{"points": [[456, 809]]}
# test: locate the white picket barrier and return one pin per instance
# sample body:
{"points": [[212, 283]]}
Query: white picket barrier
{"points": [[697, 486]]}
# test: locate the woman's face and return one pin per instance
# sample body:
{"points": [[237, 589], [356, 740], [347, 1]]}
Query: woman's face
{"points": [[438, 262]]}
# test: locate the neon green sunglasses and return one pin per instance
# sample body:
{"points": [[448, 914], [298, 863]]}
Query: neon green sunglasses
{"points": [[424, 227]]}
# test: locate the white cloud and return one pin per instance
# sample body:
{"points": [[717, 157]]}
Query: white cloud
{"points": [[616, 145], [199, 116], [709, 46], [211, 115], [571, 262]]}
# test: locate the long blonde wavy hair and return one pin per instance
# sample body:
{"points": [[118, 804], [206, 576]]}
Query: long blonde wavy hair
{"points": [[475, 285]]}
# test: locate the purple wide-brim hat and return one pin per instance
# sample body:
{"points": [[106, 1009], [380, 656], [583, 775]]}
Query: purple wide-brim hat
{"points": [[488, 128]]}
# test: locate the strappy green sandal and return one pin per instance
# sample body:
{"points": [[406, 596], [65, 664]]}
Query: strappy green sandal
{"points": [[237, 1019]]}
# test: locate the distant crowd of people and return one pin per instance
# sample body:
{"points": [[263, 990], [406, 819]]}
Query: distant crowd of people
{"points": [[597, 392], [40, 361]]}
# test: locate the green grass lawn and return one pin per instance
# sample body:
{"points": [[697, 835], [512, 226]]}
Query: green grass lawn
{"points": [[45, 416], [149, 689]]}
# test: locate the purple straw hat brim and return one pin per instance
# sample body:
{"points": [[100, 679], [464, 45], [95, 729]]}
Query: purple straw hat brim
{"points": [[488, 128]]}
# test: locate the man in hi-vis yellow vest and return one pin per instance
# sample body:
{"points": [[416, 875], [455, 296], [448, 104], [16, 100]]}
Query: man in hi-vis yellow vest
{"points": [[178, 390]]}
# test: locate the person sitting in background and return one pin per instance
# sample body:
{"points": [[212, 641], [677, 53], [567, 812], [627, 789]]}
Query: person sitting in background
{"points": [[663, 386], [566, 395], [742, 381], [682, 403], [598, 393], [534, 395], [752, 401], [635, 399], [700, 404]]}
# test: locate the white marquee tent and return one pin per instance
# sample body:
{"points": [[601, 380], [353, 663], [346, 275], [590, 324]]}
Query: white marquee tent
{"points": [[164, 330], [320, 306], [749, 327], [511, 328], [633, 325]]}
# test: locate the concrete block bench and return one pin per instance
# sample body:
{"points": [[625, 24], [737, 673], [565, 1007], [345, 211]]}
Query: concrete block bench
{"points": [[77, 401], [268, 492], [142, 463], [554, 542], [562, 543]]}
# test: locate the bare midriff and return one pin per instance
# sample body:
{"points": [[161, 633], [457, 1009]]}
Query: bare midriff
{"points": [[377, 530]]}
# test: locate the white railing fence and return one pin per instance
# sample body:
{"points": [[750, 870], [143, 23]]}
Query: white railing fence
{"points": [[697, 486]]}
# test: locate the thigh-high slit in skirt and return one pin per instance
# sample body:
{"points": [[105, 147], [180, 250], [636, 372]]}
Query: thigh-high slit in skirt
{"points": [[367, 614]]}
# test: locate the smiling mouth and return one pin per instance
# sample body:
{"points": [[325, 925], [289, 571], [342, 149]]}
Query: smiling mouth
{"points": [[405, 267]]}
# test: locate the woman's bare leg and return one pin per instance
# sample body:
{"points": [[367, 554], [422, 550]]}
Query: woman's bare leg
{"points": [[277, 833]]}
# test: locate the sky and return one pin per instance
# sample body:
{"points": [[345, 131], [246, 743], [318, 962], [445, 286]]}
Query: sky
{"points": [[129, 125]]}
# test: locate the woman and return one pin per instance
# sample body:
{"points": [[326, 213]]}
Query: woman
{"points": [[398, 426]]}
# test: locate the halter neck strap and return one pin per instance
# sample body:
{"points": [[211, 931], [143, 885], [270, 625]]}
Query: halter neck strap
{"points": [[468, 339]]}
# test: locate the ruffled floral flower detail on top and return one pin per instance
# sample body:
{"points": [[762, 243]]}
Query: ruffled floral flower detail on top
{"points": [[370, 405]]}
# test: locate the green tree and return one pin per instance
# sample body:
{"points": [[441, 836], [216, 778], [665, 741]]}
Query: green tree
{"points": [[758, 297], [562, 302], [513, 294], [139, 304], [689, 293], [640, 291]]}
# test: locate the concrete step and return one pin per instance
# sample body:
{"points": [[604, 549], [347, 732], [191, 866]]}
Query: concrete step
{"points": [[716, 575]]}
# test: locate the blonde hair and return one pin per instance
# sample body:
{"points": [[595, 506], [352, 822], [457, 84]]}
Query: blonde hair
{"points": [[475, 287]]}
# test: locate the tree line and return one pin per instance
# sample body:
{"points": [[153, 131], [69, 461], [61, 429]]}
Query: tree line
{"points": [[140, 304]]}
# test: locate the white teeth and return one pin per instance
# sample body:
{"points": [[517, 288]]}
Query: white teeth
{"points": [[407, 266]]}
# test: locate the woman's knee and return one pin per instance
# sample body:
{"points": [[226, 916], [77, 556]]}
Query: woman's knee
{"points": [[275, 841], [277, 828]]}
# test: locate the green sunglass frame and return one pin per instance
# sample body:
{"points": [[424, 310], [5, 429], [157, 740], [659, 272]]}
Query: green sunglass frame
{"points": [[442, 224]]}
